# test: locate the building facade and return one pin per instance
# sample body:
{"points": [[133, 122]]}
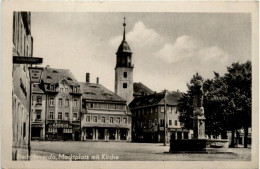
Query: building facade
{"points": [[62, 100], [23, 47], [105, 115], [149, 118], [124, 71]]}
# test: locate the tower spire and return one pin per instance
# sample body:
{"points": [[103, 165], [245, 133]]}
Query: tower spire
{"points": [[124, 24]]}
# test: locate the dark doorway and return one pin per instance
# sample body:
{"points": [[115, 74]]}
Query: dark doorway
{"points": [[101, 134], [89, 133], [112, 133], [123, 134], [60, 133], [36, 133]]}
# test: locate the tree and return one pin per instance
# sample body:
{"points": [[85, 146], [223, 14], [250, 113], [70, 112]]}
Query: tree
{"points": [[239, 81], [227, 101]]}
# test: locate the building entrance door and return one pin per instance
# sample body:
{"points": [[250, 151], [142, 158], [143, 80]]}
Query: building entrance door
{"points": [[60, 133]]}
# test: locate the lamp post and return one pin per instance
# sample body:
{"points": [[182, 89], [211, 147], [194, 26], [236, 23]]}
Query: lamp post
{"points": [[165, 118]]}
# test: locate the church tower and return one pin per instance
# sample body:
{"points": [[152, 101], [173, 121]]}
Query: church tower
{"points": [[124, 70]]}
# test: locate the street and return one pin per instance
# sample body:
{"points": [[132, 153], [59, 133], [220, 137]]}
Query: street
{"points": [[125, 151]]}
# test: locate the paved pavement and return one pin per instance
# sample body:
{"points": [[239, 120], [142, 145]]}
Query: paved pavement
{"points": [[124, 151]]}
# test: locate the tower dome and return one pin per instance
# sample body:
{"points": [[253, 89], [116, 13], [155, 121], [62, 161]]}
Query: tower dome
{"points": [[124, 47]]}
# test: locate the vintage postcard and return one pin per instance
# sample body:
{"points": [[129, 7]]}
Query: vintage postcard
{"points": [[130, 84]]}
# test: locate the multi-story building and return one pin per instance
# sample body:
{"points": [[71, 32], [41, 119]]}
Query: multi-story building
{"points": [[23, 47], [62, 101], [38, 113], [124, 71], [148, 113], [105, 115]]}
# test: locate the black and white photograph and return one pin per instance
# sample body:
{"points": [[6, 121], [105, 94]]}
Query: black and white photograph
{"points": [[126, 85]]}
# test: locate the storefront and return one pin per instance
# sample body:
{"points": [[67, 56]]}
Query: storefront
{"points": [[59, 131], [37, 131]]}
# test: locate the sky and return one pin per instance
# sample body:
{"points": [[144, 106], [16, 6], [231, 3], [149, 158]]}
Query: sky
{"points": [[168, 48]]}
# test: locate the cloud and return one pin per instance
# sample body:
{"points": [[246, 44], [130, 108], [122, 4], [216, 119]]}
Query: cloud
{"points": [[186, 47], [140, 37]]}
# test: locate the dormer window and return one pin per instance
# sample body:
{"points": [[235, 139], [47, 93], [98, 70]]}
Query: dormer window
{"points": [[52, 87], [48, 77], [54, 71], [75, 90]]}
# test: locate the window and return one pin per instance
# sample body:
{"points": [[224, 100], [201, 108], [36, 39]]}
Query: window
{"points": [[118, 120], [125, 74], [61, 89], [161, 122], [75, 116], [176, 122], [24, 129], [66, 89], [111, 120], [124, 85], [92, 105], [51, 101], [67, 103], [39, 100], [103, 120], [155, 110], [75, 90], [95, 119], [60, 115], [51, 115], [38, 114], [60, 102], [125, 120], [170, 122], [52, 87], [67, 115], [88, 119], [75, 103], [162, 109]]}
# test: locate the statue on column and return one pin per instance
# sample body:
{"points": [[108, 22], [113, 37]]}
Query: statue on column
{"points": [[198, 99]]}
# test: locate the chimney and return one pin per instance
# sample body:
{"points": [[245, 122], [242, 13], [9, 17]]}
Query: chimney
{"points": [[97, 80], [87, 77], [47, 66]]}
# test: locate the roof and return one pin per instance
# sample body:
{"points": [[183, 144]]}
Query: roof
{"points": [[54, 76], [140, 89], [94, 91], [124, 47], [36, 89], [155, 99]]}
